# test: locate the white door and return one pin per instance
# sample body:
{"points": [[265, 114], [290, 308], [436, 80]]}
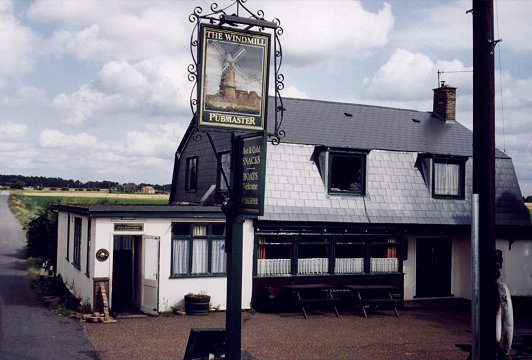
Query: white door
{"points": [[150, 275]]}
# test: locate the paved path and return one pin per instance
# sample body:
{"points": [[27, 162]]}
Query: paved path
{"points": [[28, 331]]}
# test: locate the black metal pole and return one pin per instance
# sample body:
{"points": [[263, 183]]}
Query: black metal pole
{"points": [[234, 226], [484, 169], [233, 315]]}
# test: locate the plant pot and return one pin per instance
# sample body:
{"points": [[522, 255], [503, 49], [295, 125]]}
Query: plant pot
{"points": [[197, 305]]}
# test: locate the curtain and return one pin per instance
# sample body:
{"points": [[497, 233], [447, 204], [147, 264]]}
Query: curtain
{"points": [[200, 250], [391, 251], [446, 179], [180, 256], [218, 261], [261, 252]]}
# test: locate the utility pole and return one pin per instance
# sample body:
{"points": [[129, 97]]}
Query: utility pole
{"points": [[484, 169]]}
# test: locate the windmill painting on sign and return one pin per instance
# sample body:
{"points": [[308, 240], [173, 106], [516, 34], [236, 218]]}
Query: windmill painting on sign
{"points": [[234, 78]]}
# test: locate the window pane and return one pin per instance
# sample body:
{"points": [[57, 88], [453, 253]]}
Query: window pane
{"points": [[447, 179], [180, 229], [313, 255], [200, 256], [349, 255], [218, 260], [77, 242], [347, 174], [199, 230], [384, 255], [225, 159], [191, 174], [218, 229], [274, 255], [179, 256]]}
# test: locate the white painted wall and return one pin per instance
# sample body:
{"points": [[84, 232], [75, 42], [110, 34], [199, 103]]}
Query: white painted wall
{"points": [[516, 269], [173, 290], [409, 269], [516, 272], [75, 279], [461, 268]]}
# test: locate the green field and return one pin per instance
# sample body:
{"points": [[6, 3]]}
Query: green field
{"points": [[27, 205]]}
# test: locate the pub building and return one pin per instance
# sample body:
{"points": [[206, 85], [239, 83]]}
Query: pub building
{"points": [[354, 195]]}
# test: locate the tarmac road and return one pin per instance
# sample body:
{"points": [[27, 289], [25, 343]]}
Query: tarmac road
{"points": [[28, 331]]}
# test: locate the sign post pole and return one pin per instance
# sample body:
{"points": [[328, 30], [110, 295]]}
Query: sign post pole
{"points": [[231, 71], [248, 178], [233, 315]]}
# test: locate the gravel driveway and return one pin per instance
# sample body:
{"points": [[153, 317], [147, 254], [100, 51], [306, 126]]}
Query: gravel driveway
{"points": [[421, 332]]}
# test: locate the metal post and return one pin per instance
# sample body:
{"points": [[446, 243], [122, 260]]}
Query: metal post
{"points": [[233, 316], [475, 282], [234, 233], [484, 168]]}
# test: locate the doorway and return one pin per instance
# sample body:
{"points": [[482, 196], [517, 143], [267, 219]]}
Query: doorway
{"points": [[433, 267], [126, 273]]}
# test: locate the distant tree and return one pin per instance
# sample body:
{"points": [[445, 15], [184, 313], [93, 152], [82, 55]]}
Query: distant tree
{"points": [[17, 183], [528, 198], [130, 188]]}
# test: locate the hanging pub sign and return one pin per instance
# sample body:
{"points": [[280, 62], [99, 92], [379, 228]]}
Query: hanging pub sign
{"points": [[233, 78], [250, 172]]}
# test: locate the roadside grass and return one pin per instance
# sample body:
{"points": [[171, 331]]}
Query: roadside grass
{"points": [[53, 291]]}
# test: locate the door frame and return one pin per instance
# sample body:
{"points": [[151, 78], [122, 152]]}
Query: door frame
{"points": [[150, 280], [445, 254]]}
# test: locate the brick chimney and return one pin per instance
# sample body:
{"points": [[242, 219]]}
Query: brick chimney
{"points": [[444, 105]]}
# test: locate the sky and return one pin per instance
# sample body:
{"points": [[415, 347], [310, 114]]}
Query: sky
{"points": [[99, 90]]}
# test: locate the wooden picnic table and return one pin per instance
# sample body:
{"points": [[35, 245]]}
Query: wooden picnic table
{"points": [[308, 294], [373, 295]]}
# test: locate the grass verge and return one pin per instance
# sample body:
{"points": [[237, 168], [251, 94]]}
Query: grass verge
{"points": [[53, 291]]}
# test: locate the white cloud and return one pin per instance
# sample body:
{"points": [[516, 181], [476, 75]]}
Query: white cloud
{"points": [[315, 33], [18, 45], [445, 26], [154, 140], [83, 105], [293, 91], [410, 76], [12, 131], [513, 25], [116, 30], [150, 87], [59, 140]]}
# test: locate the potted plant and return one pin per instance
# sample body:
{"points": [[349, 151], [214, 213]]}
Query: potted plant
{"points": [[197, 304]]}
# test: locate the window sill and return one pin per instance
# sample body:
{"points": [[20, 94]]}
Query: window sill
{"points": [[325, 275], [448, 197], [189, 276]]}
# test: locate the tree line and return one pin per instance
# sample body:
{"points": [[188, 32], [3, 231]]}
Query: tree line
{"points": [[40, 182]]}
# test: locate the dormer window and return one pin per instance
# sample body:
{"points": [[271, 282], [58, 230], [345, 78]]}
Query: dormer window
{"points": [[347, 172], [448, 178]]}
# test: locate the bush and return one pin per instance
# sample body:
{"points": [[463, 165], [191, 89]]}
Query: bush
{"points": [[42, 236]]}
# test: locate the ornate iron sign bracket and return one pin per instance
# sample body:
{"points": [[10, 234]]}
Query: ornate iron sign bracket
{"points": [[238, 17]]}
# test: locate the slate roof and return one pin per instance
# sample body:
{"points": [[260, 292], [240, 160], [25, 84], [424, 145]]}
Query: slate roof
{"points": [[368, 127], [396, 192]]}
